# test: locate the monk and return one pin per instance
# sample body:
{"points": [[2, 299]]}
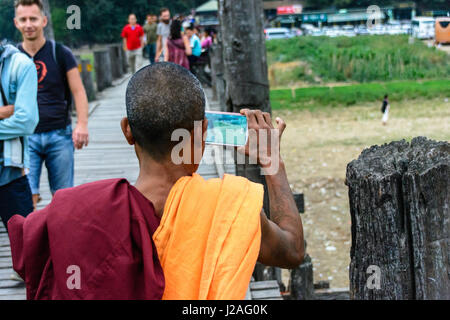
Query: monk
{"points": [[213, 232], [205, 237]]}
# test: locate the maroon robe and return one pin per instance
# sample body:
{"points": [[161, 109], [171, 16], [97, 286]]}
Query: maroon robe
{"points": [[105, 230]]}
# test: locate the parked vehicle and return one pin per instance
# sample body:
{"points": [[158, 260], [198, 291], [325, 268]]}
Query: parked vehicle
{"points": [[407, 28], [443, 30], [296, 32], [361, 30], [347, 31], [378, 30], [423, 27], [278, 33]]}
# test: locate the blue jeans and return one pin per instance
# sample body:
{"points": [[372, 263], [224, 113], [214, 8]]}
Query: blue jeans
{"points": [[57, 150], [151, 50]]}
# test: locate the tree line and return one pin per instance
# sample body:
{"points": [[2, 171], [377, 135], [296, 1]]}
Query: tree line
{"points": [[101, 20]]}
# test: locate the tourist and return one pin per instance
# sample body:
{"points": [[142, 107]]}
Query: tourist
{"points": [[163, 33], [150, 29], [133, 41], [177, 46], [206, 39], [195, 45], [59, 80], [18, 118]]}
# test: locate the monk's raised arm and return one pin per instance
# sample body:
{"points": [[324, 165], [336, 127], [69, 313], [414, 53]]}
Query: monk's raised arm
{"points": [[282, 243]]}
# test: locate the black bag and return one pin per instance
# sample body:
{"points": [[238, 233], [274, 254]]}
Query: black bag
{"points": [[58, 56]]}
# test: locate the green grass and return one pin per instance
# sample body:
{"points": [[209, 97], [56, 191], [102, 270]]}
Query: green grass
{"points": [[360, 59], [316, 97]]}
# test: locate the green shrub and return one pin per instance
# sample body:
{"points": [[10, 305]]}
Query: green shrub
{"points": [[361, 59]]}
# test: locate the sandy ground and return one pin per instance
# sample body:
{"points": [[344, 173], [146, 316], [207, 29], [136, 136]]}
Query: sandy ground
{"points": [[318, 145], [443, 47]]}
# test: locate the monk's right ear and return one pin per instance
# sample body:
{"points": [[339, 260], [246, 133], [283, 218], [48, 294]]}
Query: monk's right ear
{"points": [[126, 129]]}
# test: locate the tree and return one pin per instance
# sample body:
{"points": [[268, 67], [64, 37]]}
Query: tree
{"points": [[48, 31]]}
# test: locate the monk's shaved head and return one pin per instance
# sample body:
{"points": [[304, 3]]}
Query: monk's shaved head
{"points": [[161, 98]]}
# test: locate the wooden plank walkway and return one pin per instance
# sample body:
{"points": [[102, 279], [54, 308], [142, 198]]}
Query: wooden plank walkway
{"points": [[108, 156]]}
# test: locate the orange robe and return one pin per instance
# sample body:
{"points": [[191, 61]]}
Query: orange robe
{"points": [[209, 238]]}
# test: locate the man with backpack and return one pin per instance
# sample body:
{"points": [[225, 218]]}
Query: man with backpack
{"points": [[58, 81]]}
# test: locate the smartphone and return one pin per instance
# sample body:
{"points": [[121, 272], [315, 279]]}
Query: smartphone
{"points": [[227, 129]]}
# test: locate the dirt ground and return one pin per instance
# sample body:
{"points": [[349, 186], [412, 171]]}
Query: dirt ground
{"points": [[318, 145]]}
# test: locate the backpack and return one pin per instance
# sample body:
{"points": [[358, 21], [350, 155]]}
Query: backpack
{"points": [[58, 56]]}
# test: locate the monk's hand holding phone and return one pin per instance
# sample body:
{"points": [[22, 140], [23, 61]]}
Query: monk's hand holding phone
{"points": [[262, 130]]}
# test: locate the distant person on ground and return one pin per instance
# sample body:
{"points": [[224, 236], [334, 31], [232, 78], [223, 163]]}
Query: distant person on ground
{"points": [[210, 233], [59, 80], [19, 117], [178, 47], [163, 33], [133, 41], [385, 108], [150, 29], [195, 45]]}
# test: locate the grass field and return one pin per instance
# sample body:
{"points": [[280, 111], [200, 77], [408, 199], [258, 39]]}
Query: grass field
{"points": [[317, 97], [358, 59], [317, 146]]}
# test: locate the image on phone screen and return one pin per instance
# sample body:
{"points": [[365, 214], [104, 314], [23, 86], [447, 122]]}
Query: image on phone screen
{"points": [[227, 129]]}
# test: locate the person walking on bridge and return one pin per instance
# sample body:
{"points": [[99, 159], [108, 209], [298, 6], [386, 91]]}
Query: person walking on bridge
{"points": [[133, 41], [53, 141]]}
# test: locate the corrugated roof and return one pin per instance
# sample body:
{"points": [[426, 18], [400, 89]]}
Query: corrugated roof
{"points": [[209, 6]]}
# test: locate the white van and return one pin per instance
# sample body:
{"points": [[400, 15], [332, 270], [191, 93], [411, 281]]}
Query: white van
{"points": [[423, 28], [278, 33]]}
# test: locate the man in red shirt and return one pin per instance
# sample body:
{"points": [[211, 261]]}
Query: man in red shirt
{"points": [[133, 40]]}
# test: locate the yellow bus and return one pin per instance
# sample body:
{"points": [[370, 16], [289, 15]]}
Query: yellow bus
{"points": [[443, 30]]}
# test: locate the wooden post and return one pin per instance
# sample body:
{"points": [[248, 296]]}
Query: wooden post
{"points": [[103, 69], [244, 54], [217, 75], [88, 81], [116, 67], [302, 281], [123, 57], [85, 68], [245, 72], [48, 30], [399, 204]]}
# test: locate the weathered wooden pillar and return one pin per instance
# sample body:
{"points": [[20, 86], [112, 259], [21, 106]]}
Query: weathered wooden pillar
{"points": [[85, 68], [302, 281], [88, 81], [217, 75], [245, 72], [103, 69], [244, 54], [116, 67], [399, 204], [123, 58], [48, 30]]}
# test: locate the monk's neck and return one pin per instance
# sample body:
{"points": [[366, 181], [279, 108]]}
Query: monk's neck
{"points": [[156, 180]]}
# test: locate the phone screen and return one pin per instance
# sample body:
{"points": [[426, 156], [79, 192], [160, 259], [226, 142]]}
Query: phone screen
{"points": [[227, 129]]}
